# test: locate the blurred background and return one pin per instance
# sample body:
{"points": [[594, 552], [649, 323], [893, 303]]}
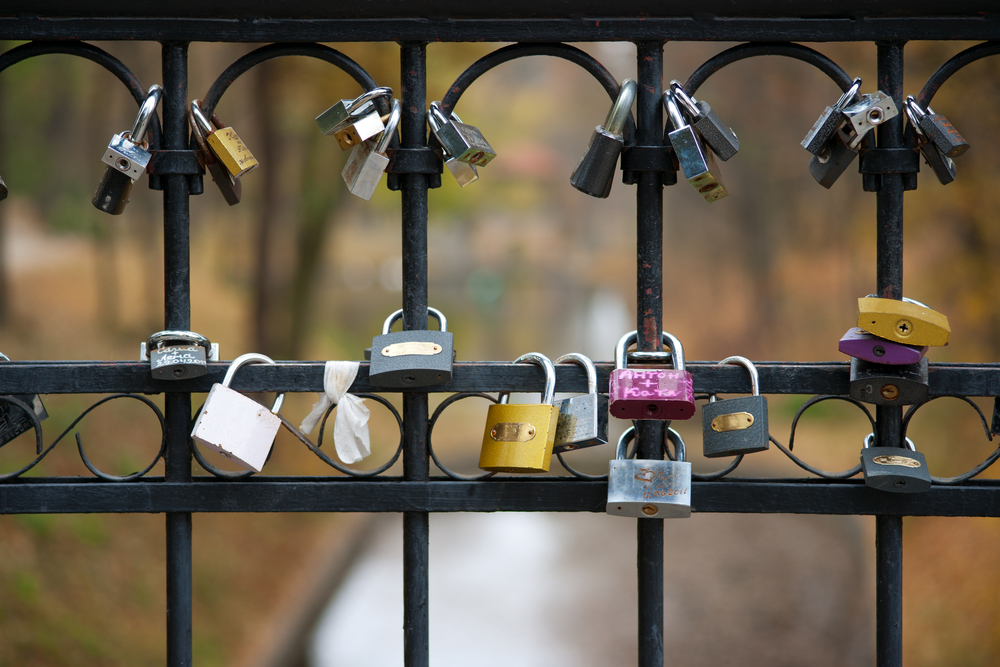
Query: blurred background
{"points": [[518, 261]]}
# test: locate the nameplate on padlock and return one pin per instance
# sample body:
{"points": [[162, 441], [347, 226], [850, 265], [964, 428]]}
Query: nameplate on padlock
{"points": [[422, 348], [896, 461], [512, 432], [737, 421]]}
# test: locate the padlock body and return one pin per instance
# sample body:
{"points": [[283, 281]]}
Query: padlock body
{"points": [[698, 164], [943, 166], [232, 152], [869, 113], [882, 384], [823, 130], [827, 167], [651, 393], [337, 117], [126, 157], [237, 427], [595, 172], [231, 188], [940, 131], [463, 172], [649, 489], [363, 128], [735, 426], [518, 438], [113, 192], [416, 358], [859, 343], [364, 170], [178, 362], [903, 322], [583, 422], [14, 420], [895, 469], [466, 143], [719, 136]]}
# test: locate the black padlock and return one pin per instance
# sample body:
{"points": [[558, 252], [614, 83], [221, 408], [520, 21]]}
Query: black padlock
{"points": [[834, 160], [595, 172], [416, 358], [736, 425], [13, 419], [895, 469], [178, 355], [881, 384]]}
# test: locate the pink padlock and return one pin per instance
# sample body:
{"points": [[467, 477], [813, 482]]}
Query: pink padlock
{"points": [[651, 393]]}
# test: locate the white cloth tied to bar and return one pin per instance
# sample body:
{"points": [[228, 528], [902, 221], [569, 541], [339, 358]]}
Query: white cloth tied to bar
{"points": [[350, 426]]}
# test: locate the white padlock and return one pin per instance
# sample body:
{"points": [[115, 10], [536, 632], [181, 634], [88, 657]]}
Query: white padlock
{"points": [[235, 425]]}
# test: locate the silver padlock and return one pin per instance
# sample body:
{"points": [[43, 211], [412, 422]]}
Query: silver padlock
{"points": [[347, 113], [867, 114], [178, 355], [13, 419], [236, 426], [127, 158], [697, 163], [368, 160], [465, 142], [719, 136], [595, 172], [831, 120], [648, 488], [583, 420], [463, 172], [943, 166]]}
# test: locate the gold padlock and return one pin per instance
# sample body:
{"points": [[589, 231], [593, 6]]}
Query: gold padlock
{"points": [[229, 148], [906, 321], [519, 438]]}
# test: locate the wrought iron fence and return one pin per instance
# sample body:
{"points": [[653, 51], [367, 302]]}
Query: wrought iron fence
{"points": [[887, 163]]}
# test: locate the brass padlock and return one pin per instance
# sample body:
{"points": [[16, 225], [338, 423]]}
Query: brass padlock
{"points": [[229, 148], [519, 438], [906, 321], [231, 188]]}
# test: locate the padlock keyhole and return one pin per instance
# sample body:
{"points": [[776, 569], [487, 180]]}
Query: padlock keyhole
{"points": [[651, 409], [879, 351], [409, 378], [178, 372], [899, 483]]}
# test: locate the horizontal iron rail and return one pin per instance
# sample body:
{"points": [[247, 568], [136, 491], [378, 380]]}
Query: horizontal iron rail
{"points": [[276, 494], [98, 377]]}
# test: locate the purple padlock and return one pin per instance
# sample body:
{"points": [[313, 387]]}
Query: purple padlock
{"points": [[863, 345], [651, 393]]}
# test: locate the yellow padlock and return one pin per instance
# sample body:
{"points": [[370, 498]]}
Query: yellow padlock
{"points": [[906, 321], [229, 148], [519, 438]]}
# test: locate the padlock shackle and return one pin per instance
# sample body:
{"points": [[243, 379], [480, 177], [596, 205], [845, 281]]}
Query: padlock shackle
{"points": [[620, 110], [849, 95], [746, 363], [905, 299], [252, 358], [398, 315], [621, 450], [146, 111], [390, 128], [189, 337], [368, 96], [581, 360], [870, 438], [915, 113], [200, 119], [680, 449], [670, 104], [539, 359], [436, 120], [676, 349], [4, 357], [686, 101]]}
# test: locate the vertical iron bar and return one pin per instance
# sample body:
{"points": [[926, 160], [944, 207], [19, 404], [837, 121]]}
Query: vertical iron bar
{"points": [[177, 315], [416, 466], [649, 316], [889, 251]]}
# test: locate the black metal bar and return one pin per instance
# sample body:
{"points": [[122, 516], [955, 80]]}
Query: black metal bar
{"points": [[889, 276], [416, 466], [177, 315]]}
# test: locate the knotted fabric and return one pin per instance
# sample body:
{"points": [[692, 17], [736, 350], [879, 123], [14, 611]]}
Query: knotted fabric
{"points": [[350, 426]]}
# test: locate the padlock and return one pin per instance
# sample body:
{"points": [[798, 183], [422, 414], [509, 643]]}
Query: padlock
{"points": [[719, 136], [520, 438], [881, 384], [229, 148], [651, 393], [465, 142], [736, 425], [126, 158], [834, 160], [937, 129], [463, 172], [868, 113], [235, 425], [943, 166], [829, 121], [903, 321], [178, 355], [368, 160], [697, 163], [13, 419], [346, 113], [649, 488], [415, 358], [230, 187], [895, 469], [595, 172], [859, 343], [583, 420]]}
